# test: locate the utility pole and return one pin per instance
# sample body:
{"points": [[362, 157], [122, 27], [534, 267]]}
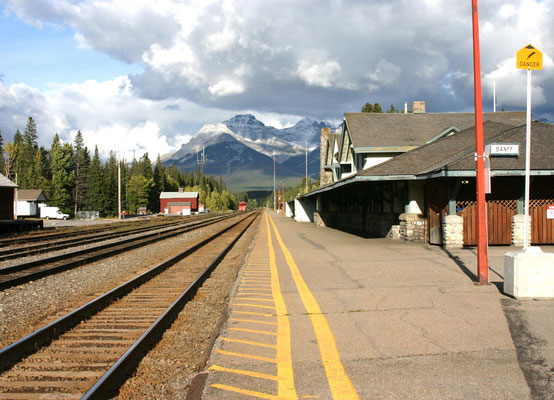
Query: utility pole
{"points": [[274, 194], [119, 188], [283, 209], [306, 162], [482, 259]]}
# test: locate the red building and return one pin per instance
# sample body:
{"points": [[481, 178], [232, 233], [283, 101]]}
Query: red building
{"points": [[242, 206], [178, 202]]}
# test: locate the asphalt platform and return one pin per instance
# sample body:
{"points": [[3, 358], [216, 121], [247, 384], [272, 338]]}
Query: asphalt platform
{"points": [[322, 314]]}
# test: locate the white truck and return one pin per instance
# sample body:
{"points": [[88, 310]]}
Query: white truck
{"points": [[52, 212]]}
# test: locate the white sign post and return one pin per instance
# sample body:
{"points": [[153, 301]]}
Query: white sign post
{"points": [[528, 58]]}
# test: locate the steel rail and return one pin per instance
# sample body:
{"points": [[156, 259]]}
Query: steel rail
{"points": [[14, 352], [79, 240], [85, 256], [116, 375]]}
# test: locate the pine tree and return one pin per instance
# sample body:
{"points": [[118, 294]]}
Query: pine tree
{"points": [[94, 195], [110, 186], [80, 168], [392, 110], [27, 156], [367, 108], [377, 108], [138, 190], [62, 175]]}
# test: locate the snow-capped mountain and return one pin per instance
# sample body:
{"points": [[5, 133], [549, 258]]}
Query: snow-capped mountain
{"points": [[245, 128], [242, 148]]}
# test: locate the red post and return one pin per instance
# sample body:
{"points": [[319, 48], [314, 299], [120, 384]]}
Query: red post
{"points": [[482, 263]]}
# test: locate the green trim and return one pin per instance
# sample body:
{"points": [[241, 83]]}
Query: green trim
{"points": [[383, 149], [453, 128]]}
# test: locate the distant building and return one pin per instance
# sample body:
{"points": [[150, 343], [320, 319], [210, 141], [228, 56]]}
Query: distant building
{"points": [[178, 202], [29, 201], [7, 196]]}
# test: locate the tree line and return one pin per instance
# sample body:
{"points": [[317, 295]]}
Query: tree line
{"points": [[74, 180]]}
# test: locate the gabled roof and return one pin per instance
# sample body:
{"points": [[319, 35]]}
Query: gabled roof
{"points": [[31, 195], [454, 156], [5, 182], [455, 153], [178, 195], [403, 130]]}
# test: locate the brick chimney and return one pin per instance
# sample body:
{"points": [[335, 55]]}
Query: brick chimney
{"points": [[325, 177], [418, 107]]}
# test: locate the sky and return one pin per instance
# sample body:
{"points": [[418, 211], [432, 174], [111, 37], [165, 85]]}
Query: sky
{"points": [[138, 76]]}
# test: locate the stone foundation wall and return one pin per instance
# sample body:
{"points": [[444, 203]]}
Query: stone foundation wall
{"points": [[412, 227], [452, 231], [518, 229]]}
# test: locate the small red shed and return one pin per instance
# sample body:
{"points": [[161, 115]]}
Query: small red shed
{"points": [[178, 202], [242, 206]]}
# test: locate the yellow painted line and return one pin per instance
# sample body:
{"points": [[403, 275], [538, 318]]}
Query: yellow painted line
{"points": [[252, 298], [244, 391], [254, 321], [256, 280], [285, 372], [250, 286], [243, 372], [255, 294], [339, 382], [254, 305], [242, 355], [254, 331], [254, 313], [271, 346]]}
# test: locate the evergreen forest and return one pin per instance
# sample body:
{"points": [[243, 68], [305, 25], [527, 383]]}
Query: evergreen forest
{"points": [[74, 179]]}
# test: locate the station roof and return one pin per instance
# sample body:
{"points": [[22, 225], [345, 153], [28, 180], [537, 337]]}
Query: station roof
{"points": [[5, 182], [178, 195], [404, 130], [453, 155], [31, 195]]}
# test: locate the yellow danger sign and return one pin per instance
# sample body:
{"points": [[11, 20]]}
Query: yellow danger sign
{"points": [[529, 57]]}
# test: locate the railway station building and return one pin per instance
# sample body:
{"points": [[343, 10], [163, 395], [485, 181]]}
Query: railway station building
{"points": [[414, 180], [183, 203]]}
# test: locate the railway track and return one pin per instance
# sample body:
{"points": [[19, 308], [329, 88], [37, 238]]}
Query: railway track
{"points": [[25, 272], [77, 239], [89, 352], [60, 233]]}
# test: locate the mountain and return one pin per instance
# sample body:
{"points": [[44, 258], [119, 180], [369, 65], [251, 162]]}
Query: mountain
{"points": [[241, 150], [298, 163], [297, 133]]}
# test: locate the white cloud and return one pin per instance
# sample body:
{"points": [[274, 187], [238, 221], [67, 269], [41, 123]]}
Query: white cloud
{"points": [[206, 60]]}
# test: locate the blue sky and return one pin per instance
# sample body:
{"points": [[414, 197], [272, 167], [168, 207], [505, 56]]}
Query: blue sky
{"points": [[137, 75], [39, 56]]}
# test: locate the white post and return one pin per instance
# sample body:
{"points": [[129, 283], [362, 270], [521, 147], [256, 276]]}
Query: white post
{"points": [[274, 194], [494, 94], [119, 189], [306, 162], [527, 162]]}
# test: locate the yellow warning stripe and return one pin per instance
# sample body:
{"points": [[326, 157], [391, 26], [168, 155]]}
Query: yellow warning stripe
{"points": [[254, 313], [339, 382], [242, 355], [254, 321], [285, 372], [253, 331], [247, 392], [272, 346], [254, 305], [252, 298], [243, 372]]}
